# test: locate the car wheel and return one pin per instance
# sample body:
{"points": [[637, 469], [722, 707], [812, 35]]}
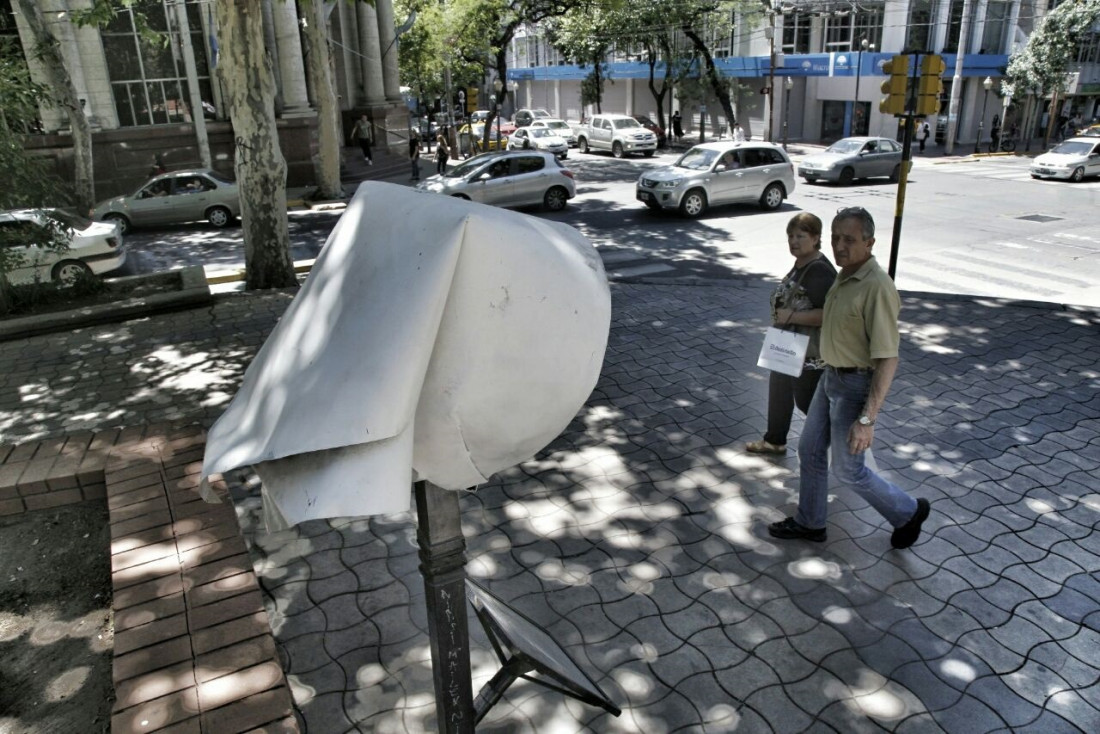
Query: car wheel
{"points": [[895, 175], [461, 196], [653, 206], [772, 198], [1035, 175], [617, 149], [219, 216], [68, 271], [582, 145], [555, 199], [1078, 175], [123, 222], [694, 203], [847, 176], [810, 179], [648, 154]]}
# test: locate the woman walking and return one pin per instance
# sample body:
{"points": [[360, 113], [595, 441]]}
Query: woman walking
{"points": [[796, 304], [442, 151]]}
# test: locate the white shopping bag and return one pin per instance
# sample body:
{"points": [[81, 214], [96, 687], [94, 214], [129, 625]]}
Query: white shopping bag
{"points": [[783, 351]]}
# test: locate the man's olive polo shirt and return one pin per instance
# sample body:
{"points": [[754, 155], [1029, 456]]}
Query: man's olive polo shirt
{"points": [[860, 322]]}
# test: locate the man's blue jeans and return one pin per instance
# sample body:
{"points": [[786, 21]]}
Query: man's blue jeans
{"points": [[837, 404]]}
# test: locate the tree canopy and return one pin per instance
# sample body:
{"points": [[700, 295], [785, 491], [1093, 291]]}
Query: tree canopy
{"points": [[1041, 66]]}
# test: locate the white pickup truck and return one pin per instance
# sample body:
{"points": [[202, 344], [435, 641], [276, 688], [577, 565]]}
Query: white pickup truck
{"points": [[620, 134]]}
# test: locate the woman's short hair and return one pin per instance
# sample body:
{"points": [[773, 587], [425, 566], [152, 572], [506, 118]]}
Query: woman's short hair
{"points": [[808, 223]]}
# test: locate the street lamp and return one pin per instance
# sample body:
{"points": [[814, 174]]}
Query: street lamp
{"points": [[863, 46], [788, 84], [987, 84], [769, 33], [498, 85]]}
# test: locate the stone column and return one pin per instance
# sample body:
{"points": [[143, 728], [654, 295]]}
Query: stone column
{"points": [[388, 41], [292, 70], [371, 59]]}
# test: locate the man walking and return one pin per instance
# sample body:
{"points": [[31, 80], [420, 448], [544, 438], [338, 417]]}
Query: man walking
{"points": [[414, 153], [364, 135], [923, 135], [859, 343]]}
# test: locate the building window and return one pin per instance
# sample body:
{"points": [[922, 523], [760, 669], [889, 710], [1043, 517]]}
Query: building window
{"points": [[846, 32], [954, 27], [921, 16], [148, 76], [796, 33], [1088, 52]]}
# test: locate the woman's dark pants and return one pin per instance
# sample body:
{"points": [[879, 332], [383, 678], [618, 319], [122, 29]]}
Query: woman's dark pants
{"points": [[785, 392]]}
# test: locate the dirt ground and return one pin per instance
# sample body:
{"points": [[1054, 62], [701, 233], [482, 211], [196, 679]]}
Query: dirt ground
{"points": [[56, 628]]}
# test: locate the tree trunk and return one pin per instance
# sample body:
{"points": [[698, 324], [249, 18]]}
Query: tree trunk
{"points": [[721, 91], [62, 84], [321, 79], [247, 74]]}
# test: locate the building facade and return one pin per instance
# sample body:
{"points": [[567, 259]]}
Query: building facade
{"points": [[142, 95], [823, 59]]}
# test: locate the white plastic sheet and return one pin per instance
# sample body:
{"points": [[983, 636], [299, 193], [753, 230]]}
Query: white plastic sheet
{"points": [[434, 339]]}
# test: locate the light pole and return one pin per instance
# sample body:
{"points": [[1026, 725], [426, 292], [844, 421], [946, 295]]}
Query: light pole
{"points": [[498, 85], [769, 33], [788, 84], [863, 46], [987, 84]]}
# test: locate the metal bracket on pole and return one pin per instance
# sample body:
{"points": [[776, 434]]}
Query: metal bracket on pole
{"points": [[443, 566]]}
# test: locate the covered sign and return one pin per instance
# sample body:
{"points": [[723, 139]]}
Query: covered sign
{"points": [[435, 339]]}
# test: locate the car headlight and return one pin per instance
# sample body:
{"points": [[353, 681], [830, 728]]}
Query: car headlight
{"points": [[669, 184]]}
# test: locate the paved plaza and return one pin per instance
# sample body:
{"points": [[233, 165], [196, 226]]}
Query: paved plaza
{"points": [[638, 538]]}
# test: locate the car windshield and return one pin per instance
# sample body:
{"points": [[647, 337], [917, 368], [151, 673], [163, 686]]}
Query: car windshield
{"points": [[1073, 148], [846, 146], [697, 159], [628, 122], [540, 113], [469, 166], [540, 132], [220, 177], [558, 125]]}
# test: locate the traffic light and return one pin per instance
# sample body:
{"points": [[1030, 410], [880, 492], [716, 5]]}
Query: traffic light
{"points": [[931, 85], [895, 86]]}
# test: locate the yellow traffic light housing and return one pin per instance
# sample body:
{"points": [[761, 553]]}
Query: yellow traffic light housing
{"points": [[895, 86], [930, 87]]}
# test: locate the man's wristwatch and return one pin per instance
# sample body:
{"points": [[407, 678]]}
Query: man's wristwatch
{"points": [[866, 420]]}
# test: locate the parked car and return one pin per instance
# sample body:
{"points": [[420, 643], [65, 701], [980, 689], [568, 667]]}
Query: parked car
{"points": [[497, 139], [94, 247], [561, 128], [539, 138], [479, 115], [653, 127], [1092, 131], [1073, 159], [846, 160], [525, 117], [620, 134], [174, 198], [509, 178], [723, 172]]}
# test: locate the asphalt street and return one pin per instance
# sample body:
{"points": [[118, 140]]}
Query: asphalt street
{"points": [[970, 226]]}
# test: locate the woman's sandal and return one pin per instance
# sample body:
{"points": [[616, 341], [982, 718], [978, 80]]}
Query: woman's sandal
{"points": [[764, 447]]}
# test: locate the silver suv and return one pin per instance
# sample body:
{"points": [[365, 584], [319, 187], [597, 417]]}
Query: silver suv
{"points": [[620, 134], [511, 178], [719, 173]]}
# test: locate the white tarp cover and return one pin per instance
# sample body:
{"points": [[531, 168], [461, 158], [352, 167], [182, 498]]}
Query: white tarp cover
{"points": [[435, 339]]}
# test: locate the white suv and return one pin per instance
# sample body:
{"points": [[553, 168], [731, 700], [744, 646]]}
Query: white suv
{"points": [[719, 173], [561, 128], [620, 134]]}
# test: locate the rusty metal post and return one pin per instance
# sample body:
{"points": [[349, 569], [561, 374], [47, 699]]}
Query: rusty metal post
{"points": [[443, 566]]}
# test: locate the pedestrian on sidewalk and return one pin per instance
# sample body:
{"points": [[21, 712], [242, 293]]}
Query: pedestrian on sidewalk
{"points": [[923, 135], [677, 126], [414, 153], [859, 343], [363, 134], [796, 304], [442, 151]]}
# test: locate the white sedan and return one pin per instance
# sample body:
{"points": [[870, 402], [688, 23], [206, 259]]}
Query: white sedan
{"points": [[538, 138], [93, 247]]}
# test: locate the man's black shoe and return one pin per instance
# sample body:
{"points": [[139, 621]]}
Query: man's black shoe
{"points": [[790, 530], [908, 533]]}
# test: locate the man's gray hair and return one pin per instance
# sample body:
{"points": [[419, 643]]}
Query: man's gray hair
{"points": [[866, 221]]}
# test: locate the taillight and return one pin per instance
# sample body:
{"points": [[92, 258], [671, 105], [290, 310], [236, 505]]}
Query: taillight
{"points": [[567, 172]]}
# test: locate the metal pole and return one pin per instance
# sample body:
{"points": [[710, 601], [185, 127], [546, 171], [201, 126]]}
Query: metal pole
{"points": [[859, 73], [786, 108], [771, 80], [443, 566], [981, 123], [197, 117]]}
